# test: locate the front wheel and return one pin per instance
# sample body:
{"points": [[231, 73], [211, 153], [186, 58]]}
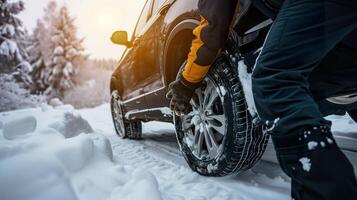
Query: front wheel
{"points": [[218, 137]]}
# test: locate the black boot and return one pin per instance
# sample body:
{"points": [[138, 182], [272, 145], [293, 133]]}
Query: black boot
{"points": [[318, 168]]}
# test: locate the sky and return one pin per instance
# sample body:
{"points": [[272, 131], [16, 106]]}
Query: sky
{"points": [[96, 21]]}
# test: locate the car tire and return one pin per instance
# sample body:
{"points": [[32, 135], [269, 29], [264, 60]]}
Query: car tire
{"points": [[242, 143], [123, 127]]}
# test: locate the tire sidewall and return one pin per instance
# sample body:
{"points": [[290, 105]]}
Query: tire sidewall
{"points": [[114, 100], [235, 126]]}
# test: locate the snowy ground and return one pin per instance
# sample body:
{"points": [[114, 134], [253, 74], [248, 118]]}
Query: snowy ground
{"points": [[60, 153]]}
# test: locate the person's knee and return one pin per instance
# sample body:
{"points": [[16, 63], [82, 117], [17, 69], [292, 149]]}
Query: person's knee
{"points": [[263, 73], [257, 82], [261, 82]]}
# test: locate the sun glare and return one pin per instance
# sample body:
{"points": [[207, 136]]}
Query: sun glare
{"points": [[96, 21], [105, 20]]}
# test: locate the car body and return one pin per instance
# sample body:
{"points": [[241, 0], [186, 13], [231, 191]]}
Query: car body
{"points": [[147, 68], [158, 47]]}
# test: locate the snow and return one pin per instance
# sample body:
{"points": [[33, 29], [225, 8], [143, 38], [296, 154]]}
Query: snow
{"points": [[71, 53], [246, 80], [144, 182], [12, 130], [52, 155], [25, 66], [343, 124], [329, 140], [91, 83], [166, 111], [58, 51], [312, 145], [15, 97], [323, 144], [52, 179], [306, 164], [8, 30], [63, 153], [55, 102], [272, 127], [9, 48]]}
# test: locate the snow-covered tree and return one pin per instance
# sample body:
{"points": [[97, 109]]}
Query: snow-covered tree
{"points": [[65, 50], [13, 38], [9, 52], [36, 49], [13, 96], [45, 31], [41, 48]]}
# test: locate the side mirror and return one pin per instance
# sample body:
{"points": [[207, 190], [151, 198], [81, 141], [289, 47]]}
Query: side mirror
{"points": [[121, 38]]}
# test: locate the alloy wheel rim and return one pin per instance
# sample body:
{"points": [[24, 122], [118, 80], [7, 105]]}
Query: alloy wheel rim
{"points": [[118, 116], [205, 126]]}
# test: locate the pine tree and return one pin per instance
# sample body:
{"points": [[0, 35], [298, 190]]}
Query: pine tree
{"points": [[14, 68], [9, 52], [13, 52], [42, 48], [46, 29], [68, 50], [36, 57]]}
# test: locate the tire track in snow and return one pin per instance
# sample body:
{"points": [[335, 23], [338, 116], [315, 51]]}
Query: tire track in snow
{"points": [[176, 181], [158, 153]]}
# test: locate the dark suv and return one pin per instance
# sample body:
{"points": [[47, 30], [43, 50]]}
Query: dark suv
{"points": [[221, 135]]}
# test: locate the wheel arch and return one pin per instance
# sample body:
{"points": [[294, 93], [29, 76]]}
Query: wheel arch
{"points": [[115, 84], [177, 47]]}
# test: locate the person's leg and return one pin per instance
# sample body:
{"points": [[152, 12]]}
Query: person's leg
{"points": [[336, 76], [304, 32], [353, 114]]}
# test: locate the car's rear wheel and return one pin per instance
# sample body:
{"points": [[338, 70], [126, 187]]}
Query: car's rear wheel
{"points": [[218, 137], [123, 127]]}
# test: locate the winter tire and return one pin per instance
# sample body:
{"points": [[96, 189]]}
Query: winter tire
{"points": [[123, 127], [218, 137]]}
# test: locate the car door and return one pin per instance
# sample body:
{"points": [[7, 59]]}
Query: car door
{"points": [[145, 63], [148, 55], [130, 71], [154, 84]]}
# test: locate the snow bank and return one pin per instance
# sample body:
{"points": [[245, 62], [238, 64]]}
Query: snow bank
{"points": [[19, 127], [15, 97], [63, 153], [342, 124], [145, 184], [71, 125], [34, 177], [51, 153]]}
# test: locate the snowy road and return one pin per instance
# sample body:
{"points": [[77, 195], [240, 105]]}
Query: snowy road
{"points": [[62, 153], [158, 153]]}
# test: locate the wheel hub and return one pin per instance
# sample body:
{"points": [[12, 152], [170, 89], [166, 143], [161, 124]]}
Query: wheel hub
{"points": [[205, 126], [118, 116]]}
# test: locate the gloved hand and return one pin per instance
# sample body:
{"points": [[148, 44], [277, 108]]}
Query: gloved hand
{"points": [[180, 95]]}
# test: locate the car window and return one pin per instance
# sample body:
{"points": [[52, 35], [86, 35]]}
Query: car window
{"points": [[157, 5], [144, 17]]}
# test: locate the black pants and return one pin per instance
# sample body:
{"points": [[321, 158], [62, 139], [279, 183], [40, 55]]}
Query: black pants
{"points": [[353, 114], [309, 54]]}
